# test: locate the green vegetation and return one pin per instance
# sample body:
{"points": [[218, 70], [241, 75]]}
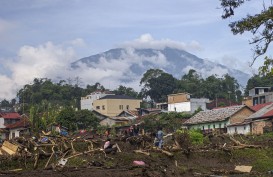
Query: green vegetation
{"points": [[158, 84], [168, 121], [195, 136]]}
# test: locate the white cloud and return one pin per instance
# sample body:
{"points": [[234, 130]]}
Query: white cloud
{"points": [[79, 42], [147, 41], [47, 60]]}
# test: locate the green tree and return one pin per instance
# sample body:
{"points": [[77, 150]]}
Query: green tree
{"points": [[260, 25], [191, 83], [67, 118], [86, 119], [122, 90], [157, 88]]}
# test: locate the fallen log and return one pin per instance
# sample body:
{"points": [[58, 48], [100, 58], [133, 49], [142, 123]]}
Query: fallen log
{"points": [[142, 152], [163, 151]]}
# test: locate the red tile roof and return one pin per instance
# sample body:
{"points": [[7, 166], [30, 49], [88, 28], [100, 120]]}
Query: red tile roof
{"points": [[10, 115], [259, 106], [24, 122]]}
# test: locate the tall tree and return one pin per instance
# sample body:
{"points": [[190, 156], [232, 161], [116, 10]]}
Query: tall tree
{"points": [[159, 87], [260, 25], [122, 90]]}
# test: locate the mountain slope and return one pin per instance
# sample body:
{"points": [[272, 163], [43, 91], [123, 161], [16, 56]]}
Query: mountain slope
{"points": [[134, 62]]}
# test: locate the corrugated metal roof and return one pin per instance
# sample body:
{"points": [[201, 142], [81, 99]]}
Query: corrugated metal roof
{"points": [[265, 111], [214, 115], [260, 106], [118, 97]]}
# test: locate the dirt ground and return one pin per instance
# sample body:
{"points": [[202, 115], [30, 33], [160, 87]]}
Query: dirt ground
{"points": [[206, 160]]}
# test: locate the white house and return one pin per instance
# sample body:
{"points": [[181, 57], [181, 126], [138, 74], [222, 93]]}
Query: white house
{"points": [[182, 102], [239, 128], [87, 101]]}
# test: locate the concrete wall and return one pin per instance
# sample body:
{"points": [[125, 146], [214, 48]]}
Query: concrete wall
{"points": [[110, 122], [180, 107], [210, 125], [239, 129], [2, 123], [113, 107], [87, 102], [198, 102]]}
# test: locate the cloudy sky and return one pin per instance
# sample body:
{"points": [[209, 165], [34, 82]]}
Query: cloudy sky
{"points": [[40, 38]]}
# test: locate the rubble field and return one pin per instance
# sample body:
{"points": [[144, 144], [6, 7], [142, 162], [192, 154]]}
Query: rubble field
{"points": [[219, 155]]}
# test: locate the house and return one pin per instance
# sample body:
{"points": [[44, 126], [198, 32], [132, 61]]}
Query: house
{"points": [[219, 118], [162, 106], [147, 111], [261, 95], [239, 128], [112, 105], [117, 121], [261, 120], [87, 101], [182, 102], [18, 129], [7, 118]]}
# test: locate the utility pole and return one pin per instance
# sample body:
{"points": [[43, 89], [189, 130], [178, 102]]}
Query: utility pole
{"points": [[229, 92]]}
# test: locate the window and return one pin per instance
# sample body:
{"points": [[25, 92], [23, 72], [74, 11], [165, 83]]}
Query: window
{"points": [[213, 125], [236, 130], [103, 107], [127, 107], [97, 107], [220, 125], [121, 107], [208, 126], [225, 124], [244, 127], [203, 127]]}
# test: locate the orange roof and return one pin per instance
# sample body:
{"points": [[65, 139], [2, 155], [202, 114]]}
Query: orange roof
{"points": [[10, 115]]}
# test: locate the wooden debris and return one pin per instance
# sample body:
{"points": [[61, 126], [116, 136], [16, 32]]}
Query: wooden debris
{"points": [[243, 168], [142, 152], [9, 148], [163, 151]]}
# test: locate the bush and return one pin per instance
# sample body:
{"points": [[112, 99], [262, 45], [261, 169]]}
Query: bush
{"points": [[196, 137]]}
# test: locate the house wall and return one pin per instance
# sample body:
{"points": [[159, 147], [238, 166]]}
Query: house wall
{"points": [[178, 98], [113, 107], [210, 125], [239, 129], [258, 126], [241, 115], [14, 133], [87, 101], [110, 122], [2, 123], [198, 102], [180, 107]]}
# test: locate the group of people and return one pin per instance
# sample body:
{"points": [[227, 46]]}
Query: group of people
{"points": [[109, 147]]}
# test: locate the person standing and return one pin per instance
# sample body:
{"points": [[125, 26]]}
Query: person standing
{"points": [[159, 137]]}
